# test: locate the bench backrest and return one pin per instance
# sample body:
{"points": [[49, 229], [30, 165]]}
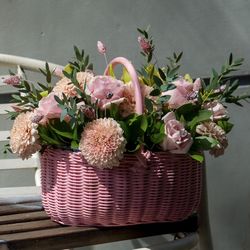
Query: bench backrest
{"points": [[13, 170]]}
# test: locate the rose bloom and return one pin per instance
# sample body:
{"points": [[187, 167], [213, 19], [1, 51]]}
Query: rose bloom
{"points": [[48, 109], [219, 111], [106, 90], [185, 92], [177, 139]]}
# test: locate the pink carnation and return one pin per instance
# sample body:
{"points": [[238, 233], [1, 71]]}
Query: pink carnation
{"points": [[185, 92], [219, 111], [24, 137], [177, 139], [105, 89], [127, 106]]}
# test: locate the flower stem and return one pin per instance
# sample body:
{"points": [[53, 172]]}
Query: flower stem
{"points": [[106, 60]]}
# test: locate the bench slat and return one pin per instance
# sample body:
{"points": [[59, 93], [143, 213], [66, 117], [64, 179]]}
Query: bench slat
{"points": [[4, 107], [20, 208], [18, 218], [6, 164], [14, 195], [28, 226], [4, 135], [42, 234]]}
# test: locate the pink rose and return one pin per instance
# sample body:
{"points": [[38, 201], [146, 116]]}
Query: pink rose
{"points": [[185, 92], [48, 109], [105, 89], [219, 111], [177, 139]]}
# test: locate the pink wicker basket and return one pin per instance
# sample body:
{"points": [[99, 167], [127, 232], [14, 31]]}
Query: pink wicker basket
{"points": [[76, 193]]}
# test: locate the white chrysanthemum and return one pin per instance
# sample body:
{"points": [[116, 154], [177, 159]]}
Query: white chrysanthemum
{"points": [[102, 143], [24, 136]]}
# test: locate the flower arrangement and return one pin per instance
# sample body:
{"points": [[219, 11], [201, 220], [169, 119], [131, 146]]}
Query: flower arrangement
{"points": [[96, 114]]}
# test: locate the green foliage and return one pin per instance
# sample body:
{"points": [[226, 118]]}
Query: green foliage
{"points": [[203, 115], [146, 130], [205, 142], [221, 87]]}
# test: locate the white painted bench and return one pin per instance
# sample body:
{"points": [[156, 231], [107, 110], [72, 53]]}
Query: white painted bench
{"points": [[8, 163]]}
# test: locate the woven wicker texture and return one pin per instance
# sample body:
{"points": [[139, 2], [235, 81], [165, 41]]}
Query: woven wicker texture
{"points": [[75, 193]]}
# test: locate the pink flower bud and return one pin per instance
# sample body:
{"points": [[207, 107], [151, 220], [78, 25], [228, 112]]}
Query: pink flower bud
{"points": [[12, 80], [145, 45], [101, 47], [58, 72]]}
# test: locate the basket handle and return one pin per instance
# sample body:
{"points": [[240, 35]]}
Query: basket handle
{"points": [[132, 72]]}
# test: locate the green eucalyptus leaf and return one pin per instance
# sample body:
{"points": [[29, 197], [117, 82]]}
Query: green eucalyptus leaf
{"points": [[157, 80], [48, 73], [111, 71], [167, 87], [63, 114], [189, 110], [225, 125], [155, 92], [62, 133], [197, 157], [178, 58], [16, 97], [205, 142], [230, 61], [203, 115], [157, 138], [58, 100], [144, 123], [150, 56], [125, 76], [162, 74], [78, 55], [74, 145], [125, 129], [44, 135], [164, 98], [149, 104], [135, 148]]}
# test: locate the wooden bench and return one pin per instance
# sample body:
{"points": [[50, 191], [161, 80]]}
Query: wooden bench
{"points": [[24, 225]]}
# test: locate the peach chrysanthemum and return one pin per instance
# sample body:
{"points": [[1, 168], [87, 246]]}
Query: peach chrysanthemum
{"points": [[102, 143], [24, 136], [68, 88], [211, 129]]}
